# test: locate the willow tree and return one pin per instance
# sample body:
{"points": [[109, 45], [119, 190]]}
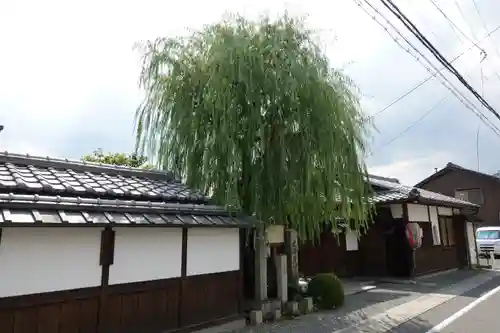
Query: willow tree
{"points": [[252, 113]]}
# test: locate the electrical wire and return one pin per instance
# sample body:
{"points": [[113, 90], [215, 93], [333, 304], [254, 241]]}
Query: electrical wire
{"points": [[465, 19], [454, 26], [479, 14], [389, 4], [433, 75], [486, 29], [402, 133], [444, 81]]}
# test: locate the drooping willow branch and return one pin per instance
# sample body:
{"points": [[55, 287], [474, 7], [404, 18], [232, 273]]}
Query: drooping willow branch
{"points": [[252, 114]]}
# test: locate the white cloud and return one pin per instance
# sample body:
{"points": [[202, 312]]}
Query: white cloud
{"points": [[412, 170], [69, 74]]}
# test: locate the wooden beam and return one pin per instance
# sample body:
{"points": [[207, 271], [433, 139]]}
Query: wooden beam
{"points": [[105, 261], [184, 249]]}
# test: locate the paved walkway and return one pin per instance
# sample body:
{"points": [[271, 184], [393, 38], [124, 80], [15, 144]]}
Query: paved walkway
{"points": [[367, 311]]}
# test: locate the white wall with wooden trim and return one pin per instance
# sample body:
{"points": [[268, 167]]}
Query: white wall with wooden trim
{"points": [[445, 211], [417, 213], [38, 260], [144, 254], [396, 211], [436, 233], [212, 250], [424, 213], [471, 241]]}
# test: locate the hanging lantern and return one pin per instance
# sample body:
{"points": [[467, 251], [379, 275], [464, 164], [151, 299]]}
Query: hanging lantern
{"points": [[414, 235]]}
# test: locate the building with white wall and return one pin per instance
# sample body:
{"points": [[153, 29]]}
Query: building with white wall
{"points": [[97, 248]]}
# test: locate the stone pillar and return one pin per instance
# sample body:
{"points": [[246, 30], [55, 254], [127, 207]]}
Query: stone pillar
{"points": [[282, 277], [260, 265], [292, 254]]}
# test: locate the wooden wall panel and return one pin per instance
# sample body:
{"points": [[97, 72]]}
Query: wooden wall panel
{"points": [[209, 296], [56, 312], [146, 306]]}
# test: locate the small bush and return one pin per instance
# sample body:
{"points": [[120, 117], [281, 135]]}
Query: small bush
{"points": [[327, 291]]}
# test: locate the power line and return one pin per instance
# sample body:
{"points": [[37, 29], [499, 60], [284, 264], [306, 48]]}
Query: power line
{"points": [[444, 81], [389, 4], [486, 29], [433, 75], [465, 19], [402, 133], [456, 28], [479, 14]]}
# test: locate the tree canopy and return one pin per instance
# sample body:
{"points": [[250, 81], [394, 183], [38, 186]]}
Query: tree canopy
{"points": [[131, 160], [252, 113]]}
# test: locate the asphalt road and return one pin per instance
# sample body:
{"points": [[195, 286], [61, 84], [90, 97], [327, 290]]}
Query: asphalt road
{"points": [[482, 318]]}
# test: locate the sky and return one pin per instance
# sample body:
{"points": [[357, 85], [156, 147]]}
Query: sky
{"points": [[69, 74]]}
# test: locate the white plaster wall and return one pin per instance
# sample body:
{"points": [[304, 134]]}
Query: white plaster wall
{"points": [[351, 241], [445, 211], [37, 260], [418, 213], [145, 254], [212, 250], [471, 238], [436, 233], [396, 211]]}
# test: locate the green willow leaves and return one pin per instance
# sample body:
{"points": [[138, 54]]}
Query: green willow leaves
{"points": [[252, 114]]}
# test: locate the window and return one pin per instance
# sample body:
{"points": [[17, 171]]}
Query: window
{"points": [[447, 231], [488, 234], [474, 195]]}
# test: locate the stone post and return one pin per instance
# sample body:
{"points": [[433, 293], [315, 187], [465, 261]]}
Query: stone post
{"points": [[260, 265], [282, 279], [292, 254]]}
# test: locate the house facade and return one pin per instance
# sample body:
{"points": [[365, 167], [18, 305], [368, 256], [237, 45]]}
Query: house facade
{"points": [[97, 248], [383, 249], [477, 187]]}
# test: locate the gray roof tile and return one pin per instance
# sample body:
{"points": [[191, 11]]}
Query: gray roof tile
{"points": [[388, 189], [47, 191], [24, 174], [17, 217], [37, 209]]}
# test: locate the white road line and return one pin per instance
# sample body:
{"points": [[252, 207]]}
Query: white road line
{"points": [[460, 313]]}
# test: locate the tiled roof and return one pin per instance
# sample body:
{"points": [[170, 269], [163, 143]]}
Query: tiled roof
{"points": [[59, 218], [19, 210], [389, 189], [48, 176], [453, 166], [388, 196], [47, 191]]}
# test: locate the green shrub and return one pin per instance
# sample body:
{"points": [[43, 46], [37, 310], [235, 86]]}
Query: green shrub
{"points": [[327, 291]]}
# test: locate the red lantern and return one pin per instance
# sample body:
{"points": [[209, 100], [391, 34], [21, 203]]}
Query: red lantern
{"points": [[414, 235]]}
